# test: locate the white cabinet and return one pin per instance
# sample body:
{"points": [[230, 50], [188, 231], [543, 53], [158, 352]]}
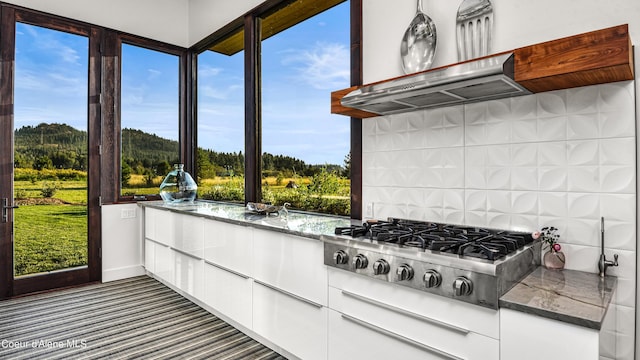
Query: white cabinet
{"points": [[159, 226], [229, 293], [228, 252], [460, 314], [188, 274], [164, 263], [150, 256], [417, 324], [529, 337], [189, 234], [293, 323], [294, 264], [350, 338], [230, 246]]}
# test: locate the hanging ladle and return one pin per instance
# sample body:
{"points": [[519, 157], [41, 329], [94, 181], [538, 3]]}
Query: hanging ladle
{"points": [[418, 45]]}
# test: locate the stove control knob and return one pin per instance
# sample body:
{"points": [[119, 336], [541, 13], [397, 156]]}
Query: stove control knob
{"points": [[381, 267], [462, 286], [432, 279], [340, 257], [360, 262], [404, 272]]}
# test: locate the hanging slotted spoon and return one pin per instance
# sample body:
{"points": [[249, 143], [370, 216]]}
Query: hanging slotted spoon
{"points": [[474, 27], [418, 44]]}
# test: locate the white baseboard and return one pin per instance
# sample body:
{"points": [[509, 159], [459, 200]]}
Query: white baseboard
{"points": [[122, 273]]}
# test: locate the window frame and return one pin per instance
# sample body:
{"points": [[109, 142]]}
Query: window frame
{"points": [[249, 24], [184, 130], [9, 16]]}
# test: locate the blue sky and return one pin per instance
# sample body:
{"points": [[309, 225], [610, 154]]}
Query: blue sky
{"points": [[50, 77], [301, 66]]}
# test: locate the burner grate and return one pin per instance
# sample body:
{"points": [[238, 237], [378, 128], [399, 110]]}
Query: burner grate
{"points": [[463, 241]]}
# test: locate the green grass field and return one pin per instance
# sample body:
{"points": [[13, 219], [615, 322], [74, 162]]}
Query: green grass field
{"points": [[50, 235]]}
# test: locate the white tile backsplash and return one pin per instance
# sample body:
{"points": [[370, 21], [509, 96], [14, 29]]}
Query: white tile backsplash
{"points": [[562, 158]]}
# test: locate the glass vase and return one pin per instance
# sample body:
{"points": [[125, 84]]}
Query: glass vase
{"points": [[178, 186], [554, 260]]}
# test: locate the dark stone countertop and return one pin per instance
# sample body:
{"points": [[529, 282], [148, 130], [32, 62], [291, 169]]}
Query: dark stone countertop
{"points": [[300, 223], [569, 296]]}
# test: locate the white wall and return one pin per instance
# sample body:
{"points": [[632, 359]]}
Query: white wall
{"points": [[517, 24], [163, 20], [122, 245]]}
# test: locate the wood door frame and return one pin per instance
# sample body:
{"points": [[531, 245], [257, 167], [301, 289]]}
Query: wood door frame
{"points": [[9, 286]]}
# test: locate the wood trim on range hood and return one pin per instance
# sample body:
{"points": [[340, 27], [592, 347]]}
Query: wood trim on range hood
{"points": [[596, 57]]}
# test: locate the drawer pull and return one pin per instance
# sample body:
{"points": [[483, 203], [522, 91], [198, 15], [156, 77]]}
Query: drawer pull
{"points": [[405, 340], [226, 269], [406, 313], [312, 303], [186, 254], [157, 242]]}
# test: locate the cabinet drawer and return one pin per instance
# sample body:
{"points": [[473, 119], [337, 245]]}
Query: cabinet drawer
{"points": [[295, 325], [294, 264], [228, 245], [553, 339], [428, 334], [188, 274], [351, 339], [189, 234], [159, 226], [164, 267], [150, 256], [474, 318], [229, 293]]}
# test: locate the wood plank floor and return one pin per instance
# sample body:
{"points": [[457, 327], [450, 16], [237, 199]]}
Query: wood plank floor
{"points": [[137, 318]]}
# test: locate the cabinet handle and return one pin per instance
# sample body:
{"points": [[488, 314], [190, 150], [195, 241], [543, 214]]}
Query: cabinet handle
{"points": [[406, 313], [405, 340], [186, 254], [227, 270], [157, 242], [312, 303]]}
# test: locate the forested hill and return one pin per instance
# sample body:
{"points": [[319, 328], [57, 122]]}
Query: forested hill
{"points": [[138, 145], [62, 146]]}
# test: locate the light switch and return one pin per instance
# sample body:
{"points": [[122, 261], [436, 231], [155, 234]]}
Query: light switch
{"points": [[128, 213], [369, 211]]}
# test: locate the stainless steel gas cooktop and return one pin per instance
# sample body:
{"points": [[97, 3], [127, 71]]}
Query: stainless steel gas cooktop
{"points": [[471, 264]]}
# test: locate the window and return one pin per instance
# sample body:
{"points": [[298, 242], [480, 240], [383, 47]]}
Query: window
{"points": [[303, 152], [150, 115], [304, 146], [219, 157]]}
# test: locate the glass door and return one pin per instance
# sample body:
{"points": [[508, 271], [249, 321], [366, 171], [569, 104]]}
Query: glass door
{"points": [[46, 209], [50, 151]]}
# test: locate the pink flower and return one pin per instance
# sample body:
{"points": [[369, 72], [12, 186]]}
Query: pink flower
{"points": [[536, 235], [557, 247]]}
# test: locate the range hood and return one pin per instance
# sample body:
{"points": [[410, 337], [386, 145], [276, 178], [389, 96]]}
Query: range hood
{"points": [[477, 80]]}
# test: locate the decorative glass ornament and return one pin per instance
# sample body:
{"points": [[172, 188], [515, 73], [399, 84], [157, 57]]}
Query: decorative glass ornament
{"points": [[178, 186]]}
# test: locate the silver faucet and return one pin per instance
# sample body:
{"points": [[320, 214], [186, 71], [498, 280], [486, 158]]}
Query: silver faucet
{"points": [[285, 211], [603, 263]]}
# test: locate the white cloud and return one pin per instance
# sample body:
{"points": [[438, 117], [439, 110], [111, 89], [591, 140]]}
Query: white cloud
{"points": [[324, 67], [48, 40], [207, 71], [153, 74], [219, 94]]}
